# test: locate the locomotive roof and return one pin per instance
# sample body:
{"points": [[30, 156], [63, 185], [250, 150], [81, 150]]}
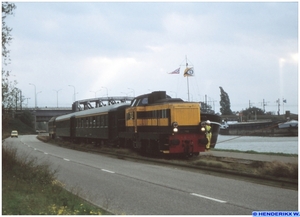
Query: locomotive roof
{"points": [[156, 97], [90, 112]]}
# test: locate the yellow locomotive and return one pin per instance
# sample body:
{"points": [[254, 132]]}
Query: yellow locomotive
{"points": [[157, 123]]}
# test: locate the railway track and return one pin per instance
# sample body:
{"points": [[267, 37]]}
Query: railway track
{"points": [[218, 166]]}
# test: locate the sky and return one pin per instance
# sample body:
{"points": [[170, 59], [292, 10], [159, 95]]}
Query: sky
{"points": [[121, 48]]}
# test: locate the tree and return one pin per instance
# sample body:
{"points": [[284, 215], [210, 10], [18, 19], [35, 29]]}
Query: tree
{"points": [[7, 9], [253, 110], [27, 118], [8, 88], [224, 103], [206, 108]]}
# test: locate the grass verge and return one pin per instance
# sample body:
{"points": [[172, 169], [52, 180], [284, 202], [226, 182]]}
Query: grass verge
{"points": [[275, 169], [32, 189]]}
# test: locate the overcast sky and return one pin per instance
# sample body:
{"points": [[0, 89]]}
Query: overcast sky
{"points": [[249, 49]]}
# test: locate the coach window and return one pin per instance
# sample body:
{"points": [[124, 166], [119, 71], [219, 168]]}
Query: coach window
{"points": [[86, 122], [94, 122], [105, 120], [101, 121], [91, 122], [97, 121]]}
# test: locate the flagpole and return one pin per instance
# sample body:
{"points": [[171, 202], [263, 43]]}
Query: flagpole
{"points": [[187, 79]]}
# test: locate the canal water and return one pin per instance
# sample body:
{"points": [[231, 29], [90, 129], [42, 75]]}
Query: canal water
{"points": [[288, 145]]}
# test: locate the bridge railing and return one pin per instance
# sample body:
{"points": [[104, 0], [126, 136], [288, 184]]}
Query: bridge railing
{"points": [[99, 102], [47, 108]]}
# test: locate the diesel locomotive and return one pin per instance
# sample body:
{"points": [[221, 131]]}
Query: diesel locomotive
{"points": [[152, 123]]}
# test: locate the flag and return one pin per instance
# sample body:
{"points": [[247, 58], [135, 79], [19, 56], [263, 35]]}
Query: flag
{"points": [[188, 72], [176, 71]]}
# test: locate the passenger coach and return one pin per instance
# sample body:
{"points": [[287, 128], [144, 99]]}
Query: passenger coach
{"points": [[99, 125]]}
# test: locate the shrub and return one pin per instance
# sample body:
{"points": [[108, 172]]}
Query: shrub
{"points": [[29, 188], [279, 169]]}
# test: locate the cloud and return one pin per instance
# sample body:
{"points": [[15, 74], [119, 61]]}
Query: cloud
{"points": [[109, 72], [134, 45]]}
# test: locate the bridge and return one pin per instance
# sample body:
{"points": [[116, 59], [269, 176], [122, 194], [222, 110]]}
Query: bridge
{"points": [[43, 115]]}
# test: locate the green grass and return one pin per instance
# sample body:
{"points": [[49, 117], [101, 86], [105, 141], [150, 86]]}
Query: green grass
{"points": [[32, 189]]}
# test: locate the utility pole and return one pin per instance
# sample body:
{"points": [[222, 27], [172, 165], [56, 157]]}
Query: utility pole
{"points": [[21, 100], [57, 97], [35, 104], [264, 104], [278, 103], [74, 95], [250, 104]]}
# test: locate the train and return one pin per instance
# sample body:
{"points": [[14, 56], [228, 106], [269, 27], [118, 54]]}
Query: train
{"points": [[152, 123]]}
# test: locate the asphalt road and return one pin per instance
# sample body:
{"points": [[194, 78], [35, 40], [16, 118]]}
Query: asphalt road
{"points": [[134, 188]]}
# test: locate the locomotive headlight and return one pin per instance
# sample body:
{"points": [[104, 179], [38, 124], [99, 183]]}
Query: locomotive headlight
{"points": [[202, 129], [175, 124], [175, 127]]}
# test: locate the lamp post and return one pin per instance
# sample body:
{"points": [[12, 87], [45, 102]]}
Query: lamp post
{"points": [[57, 97], [132, 91], [34, 94], [125, 93], [74, 96], [94, 92], [106, 91], [34, 105], [27, 101]]}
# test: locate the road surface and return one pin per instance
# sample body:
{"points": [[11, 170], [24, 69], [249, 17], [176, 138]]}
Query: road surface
{"points": [[134, 188]]}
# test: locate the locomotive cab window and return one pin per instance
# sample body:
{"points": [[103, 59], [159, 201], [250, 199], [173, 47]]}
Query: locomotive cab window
{"points": [[133, 103], [144, 101], [130, 116]]}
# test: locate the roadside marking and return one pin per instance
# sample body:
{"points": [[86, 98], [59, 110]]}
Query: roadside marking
{"points": [[107, 171], [209, 198], [66, 159], [45, 153], [35, 149]]}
